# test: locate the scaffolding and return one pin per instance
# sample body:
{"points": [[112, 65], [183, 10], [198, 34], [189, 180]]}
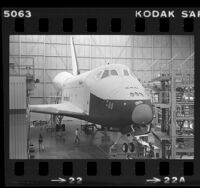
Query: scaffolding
{"points": [[173, 99], [183, 115]]}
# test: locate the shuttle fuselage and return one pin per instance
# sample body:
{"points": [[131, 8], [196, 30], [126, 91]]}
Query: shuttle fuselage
{"points": [[109, 95]]}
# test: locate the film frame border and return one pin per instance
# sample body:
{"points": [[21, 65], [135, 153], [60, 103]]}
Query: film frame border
{"points": [[109, 21]]}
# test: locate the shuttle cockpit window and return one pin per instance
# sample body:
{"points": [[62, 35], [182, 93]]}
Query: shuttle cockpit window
{"points": [[113, 73], [126, 73], [105, 74]]}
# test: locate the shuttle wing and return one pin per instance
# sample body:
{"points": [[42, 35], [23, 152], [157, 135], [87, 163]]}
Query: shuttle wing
{"points": [[65, 109]]}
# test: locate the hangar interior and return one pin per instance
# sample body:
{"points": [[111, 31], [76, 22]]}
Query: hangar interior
{"points": [[164, 64]]}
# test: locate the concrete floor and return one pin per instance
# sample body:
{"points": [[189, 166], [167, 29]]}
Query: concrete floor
{"points": [[63, 147], [92, 146]]}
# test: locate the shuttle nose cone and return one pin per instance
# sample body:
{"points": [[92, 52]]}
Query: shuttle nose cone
{"points": [[142, 114]]}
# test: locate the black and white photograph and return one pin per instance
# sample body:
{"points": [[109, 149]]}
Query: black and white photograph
{"points": [[101, 97]]}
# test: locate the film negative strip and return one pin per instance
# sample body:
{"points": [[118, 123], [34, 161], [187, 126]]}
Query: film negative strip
{"points": [[101, 96]]}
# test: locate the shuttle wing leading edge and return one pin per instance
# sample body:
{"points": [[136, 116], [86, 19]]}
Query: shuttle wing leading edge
{"points": [[65, 109]]}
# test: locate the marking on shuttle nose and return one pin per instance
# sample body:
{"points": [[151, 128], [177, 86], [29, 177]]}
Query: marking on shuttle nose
{"points": [[138, 102]]}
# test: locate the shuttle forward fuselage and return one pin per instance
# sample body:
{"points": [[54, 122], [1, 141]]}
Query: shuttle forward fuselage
{"points": [[110, 96]]}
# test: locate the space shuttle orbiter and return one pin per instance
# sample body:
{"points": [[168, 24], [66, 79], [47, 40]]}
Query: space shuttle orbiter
{"points": [[109, 95]]}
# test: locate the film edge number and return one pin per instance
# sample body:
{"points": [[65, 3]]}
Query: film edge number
{"points": [[17, 14], [174, 180], [70, 180]]}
